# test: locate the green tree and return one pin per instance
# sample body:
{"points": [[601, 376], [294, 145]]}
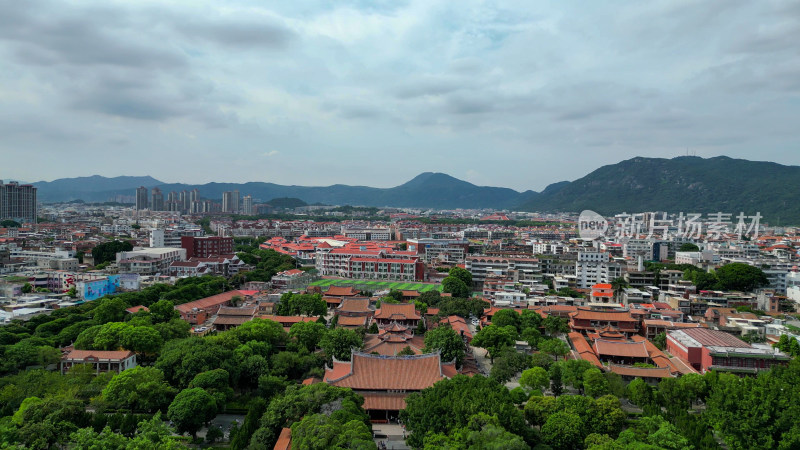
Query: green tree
{"points": [[142, 340], [214, 434], [322, 432], [506, 317], [462, 274], [618, 285], [447, 341], [660, 341], [163, 311], [539, 408], [508, 363], [556, 380], [640, 393], [456, 287], [307, 334], [607, 416], [26, 288], [449, 405], [594, 383], [107, 251], [532, 336], [535, 378], [303, 401], [140, 388], [688, 247], [191, 409], [109, 309], [216, 382], [740, 277], [564, 431], [182, 359], [555, 325], [494, 339], [555, 347], [338, 343], [530, 320], [406, 351], [109, 337]]}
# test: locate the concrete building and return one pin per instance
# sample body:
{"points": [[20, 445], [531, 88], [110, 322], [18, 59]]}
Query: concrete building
{"points": [[157, 200], [706, 350], [230, 202], [18, 202], [149, 261], [594, 267], [142, 201], [247, 205]]}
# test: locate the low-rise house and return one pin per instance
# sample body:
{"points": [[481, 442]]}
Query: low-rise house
{"points": [[708, 350], [101, 361], [229, 317], [201, 310]]}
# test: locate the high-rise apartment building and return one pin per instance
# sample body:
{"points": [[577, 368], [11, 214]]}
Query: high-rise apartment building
{"points": [[183, 201], [230, 202], [18, 202], [247, 205], [157, 203], [141, 198]]}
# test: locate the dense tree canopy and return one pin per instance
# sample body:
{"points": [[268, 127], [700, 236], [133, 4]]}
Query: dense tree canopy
{"points": [[446, 340], [449, 404], [107, 251]]}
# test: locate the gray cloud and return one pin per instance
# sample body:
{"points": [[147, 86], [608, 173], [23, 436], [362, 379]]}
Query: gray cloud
{"points": [[431, 80]]}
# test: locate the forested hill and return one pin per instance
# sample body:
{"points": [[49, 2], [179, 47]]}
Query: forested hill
{"points": [[683, 184], [429, 190]]}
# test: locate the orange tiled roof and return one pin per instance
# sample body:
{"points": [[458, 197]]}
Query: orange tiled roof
{"points": [[584, 349], [583, 314], [340, 291], [397, 311], [625, 349], [370, 372], [104, 355], [351, 321], [390, 401], [214, 300], [642, 372], [284, 440], [354, 305]]}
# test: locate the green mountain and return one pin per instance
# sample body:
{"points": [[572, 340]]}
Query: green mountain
{"points": [[684, 184], [427, 190]]}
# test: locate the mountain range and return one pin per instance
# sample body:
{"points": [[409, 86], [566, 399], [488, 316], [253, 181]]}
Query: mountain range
{"points": [[682, 184]]}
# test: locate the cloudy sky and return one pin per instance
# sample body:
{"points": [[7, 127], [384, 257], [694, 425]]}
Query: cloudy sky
{"points": [[515, 94]]}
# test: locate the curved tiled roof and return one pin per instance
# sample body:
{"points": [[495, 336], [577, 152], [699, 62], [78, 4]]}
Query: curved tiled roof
{"points": [[371, 372]]}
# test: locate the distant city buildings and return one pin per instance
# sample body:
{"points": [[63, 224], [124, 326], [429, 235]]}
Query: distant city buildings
{"points": [[157, 202], [141, 198], [247, 205], [18, 202], [230, 202]]}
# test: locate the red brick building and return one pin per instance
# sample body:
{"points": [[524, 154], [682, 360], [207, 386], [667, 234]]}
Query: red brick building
{"points": [[207, 246], [706, 350]]}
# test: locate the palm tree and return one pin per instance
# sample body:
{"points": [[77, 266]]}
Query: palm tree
{"points": [[619, 285]]}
